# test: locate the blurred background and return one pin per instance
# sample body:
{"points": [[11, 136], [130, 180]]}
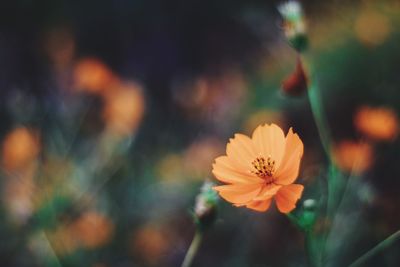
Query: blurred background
{"points": [[112, 112]]}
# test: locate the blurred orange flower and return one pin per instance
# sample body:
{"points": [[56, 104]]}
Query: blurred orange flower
{"points": [[352, 156], [377, 123], [124, 108], [92, 75], [259, 168], [92, 229], [150, 243], [20, 149]]}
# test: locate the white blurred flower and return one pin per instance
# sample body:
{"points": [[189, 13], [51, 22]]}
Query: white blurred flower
{"points": [[294, 24]]}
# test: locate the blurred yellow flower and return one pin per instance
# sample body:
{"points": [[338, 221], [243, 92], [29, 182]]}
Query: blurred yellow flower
{"points": [[372, 28], [260, 117], [260, 168], [170, 169], [62, 240], [379, 123], [353, 156]]}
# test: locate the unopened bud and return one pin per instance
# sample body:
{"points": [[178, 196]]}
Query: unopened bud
{"points": [[296, 83], [205, 210], [310, 204]]}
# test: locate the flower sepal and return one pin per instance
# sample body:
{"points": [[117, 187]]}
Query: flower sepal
{"points": [[299, 42]]}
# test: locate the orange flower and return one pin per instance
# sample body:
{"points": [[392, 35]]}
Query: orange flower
{"points": [[377, 123], [259, 168]]}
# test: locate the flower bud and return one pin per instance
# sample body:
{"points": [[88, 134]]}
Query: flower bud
{"points": [[294, 24], [308, 214], [205, 210], [309, 204], [296, 83]]}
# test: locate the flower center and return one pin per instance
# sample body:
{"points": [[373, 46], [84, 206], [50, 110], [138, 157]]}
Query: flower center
{"points": [[264, 168]]}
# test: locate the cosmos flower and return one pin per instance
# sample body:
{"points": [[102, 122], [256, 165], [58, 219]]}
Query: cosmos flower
{"points": [[261, 168]]}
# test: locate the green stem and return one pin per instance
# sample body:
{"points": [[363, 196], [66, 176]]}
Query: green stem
{"points": [[315, 100], [318, 112], [308, 240], [378, 248], [293, 219], [310, 249], [194, 247]]}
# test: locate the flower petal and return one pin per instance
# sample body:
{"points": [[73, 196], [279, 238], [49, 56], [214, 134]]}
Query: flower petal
{"points": [[260, 205], [241, 151], [287, 197], [225, 171], [238, 194], [288, 170], [268, 191], [269, 140]]}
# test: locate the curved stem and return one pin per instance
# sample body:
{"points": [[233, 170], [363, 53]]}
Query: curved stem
{"points": [[318, 112], [315, 100], [381, 246], [194, 246]]}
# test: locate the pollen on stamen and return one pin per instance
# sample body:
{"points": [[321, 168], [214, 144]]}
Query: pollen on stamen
{"points": [[264, 168]]}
